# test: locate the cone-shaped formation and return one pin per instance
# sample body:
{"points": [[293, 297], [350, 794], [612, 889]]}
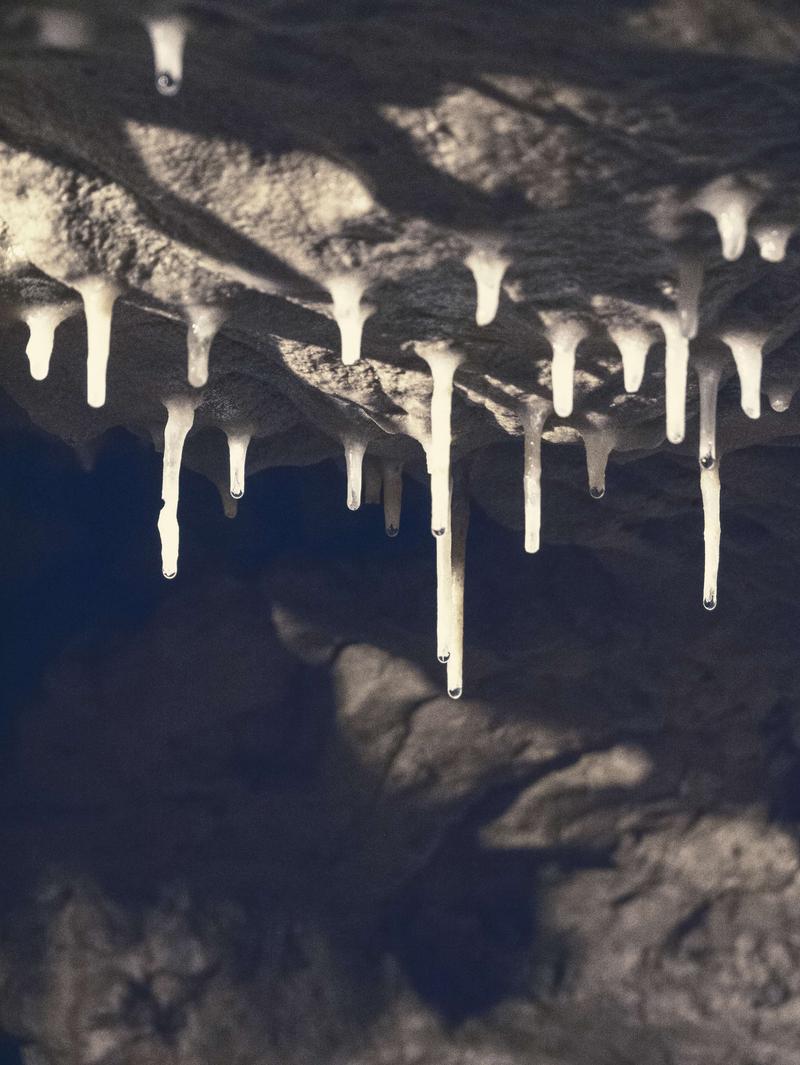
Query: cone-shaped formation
{"points": [[42, 321], [237, 456], [676, 361], [444, 595], [488, 268], [690, 284], [564, 334], [730, 204], [772, 241], [746, 347], [458, 549], [709, 488], [443, 363], [180, 416], [68, 31], [598, 441], [534, 412], [350, 313], [354, 449], [392, 496], [634, 342], [780, 397], [708, 368], [168, 38], [99, 295], [204, 324]]}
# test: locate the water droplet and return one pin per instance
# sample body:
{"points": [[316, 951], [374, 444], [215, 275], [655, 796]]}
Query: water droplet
{"points": [[709, 603], [597, 493], [707, 461], [454, 693], [167, 85], [170, 576], [438, 532], [444, 658], [237, 493], [392, 530]]}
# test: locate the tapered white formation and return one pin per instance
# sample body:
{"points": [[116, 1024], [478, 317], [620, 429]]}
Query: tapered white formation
{"points": [[238, 442], [42, 321], [350, 313], [180, 416], [204, 324], [746, 347], [730, 204], [168, 38], [99, 295], [709, 373], [564, 334], [598, 441], [534, 412], [444, 595], [772, 241], [458, 548], [690, 284], [676, 361], [709, 488], [354, 449], [392, 496], [443, 363], [634, 342], [488, 268]]}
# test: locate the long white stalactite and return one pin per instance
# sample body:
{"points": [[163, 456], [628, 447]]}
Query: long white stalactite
{"points": [[180, 417]]}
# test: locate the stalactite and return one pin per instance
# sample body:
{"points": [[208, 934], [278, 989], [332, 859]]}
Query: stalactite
{"points": [[746, 347], [392, 496], [444, 595], [564, 334], [534, 412], [488, 268], [99, 295], [238, 442], [730, 204], [443, 363], [204, 324], [772, 240], [460, 524], [354, 448], [180, 416], [708, 367], [634, 342], [710, 490], [676, 361], [42, 321], [598, 441], [350, 313], [168, 38], [690, 284]]}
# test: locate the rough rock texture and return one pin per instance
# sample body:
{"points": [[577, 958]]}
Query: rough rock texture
{"points": [[248, 827]]}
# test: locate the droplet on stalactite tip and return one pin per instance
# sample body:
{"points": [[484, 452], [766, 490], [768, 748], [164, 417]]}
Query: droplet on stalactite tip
{"points": [[454, 693], [168, 40], [170, 576], [392, 531], [597, 493], [707, 461], [443, 658], [709, 603], [167, 85], [439, 532]]}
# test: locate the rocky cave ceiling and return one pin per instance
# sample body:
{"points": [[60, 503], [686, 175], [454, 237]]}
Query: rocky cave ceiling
{"points": [[418, 239]]}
